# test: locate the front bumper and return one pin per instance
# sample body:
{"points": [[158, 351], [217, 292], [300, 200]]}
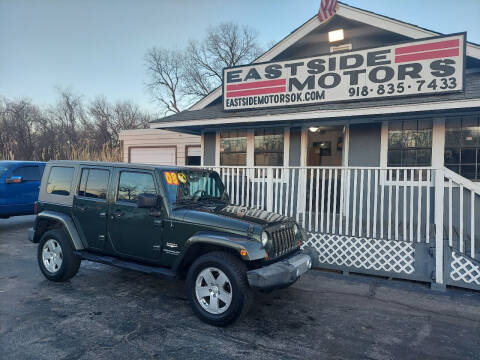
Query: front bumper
{"points": [[280, 274]]}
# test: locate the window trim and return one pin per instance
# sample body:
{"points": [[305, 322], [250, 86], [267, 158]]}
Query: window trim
{"points": [[416, 148], [438, 142], [187, 147], [282, 133], [461, 148], [218, 147], [251, 148]]}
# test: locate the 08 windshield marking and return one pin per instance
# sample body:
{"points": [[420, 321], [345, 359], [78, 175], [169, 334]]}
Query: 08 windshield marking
{"points": [[193, 186]]}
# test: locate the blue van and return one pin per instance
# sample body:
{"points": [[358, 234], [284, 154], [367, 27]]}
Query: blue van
{"points": [[19, 185]]}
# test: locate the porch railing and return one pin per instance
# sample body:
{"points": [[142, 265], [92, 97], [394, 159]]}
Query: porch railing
{"points": [[391, 220], [462, 216], [385, 203]]}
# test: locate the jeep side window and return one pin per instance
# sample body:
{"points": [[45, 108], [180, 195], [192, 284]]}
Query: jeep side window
{"points": [[60, 180], [131, 184], [94, 183], [28, 173]]}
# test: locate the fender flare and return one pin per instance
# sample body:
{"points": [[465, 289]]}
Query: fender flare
{"points": [[67, 224], [255, 250]]}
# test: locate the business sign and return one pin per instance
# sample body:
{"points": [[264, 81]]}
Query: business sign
{"points": [[433, 65]]}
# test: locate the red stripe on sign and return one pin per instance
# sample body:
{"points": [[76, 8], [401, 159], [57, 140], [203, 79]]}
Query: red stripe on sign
{"points": [[256, 84], [270, 90], [427, 47], [427, 55]]}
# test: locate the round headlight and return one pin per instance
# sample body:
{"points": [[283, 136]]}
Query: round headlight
{"points": [[264, 239]]}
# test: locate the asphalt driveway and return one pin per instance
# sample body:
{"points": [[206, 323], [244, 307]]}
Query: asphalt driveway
{"points": [[110, 313]]}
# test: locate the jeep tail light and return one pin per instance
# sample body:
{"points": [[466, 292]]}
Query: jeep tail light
{"points": [[35, 208]]}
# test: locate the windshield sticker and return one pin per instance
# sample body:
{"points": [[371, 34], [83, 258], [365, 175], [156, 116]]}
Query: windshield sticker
{"points": [[171, 178], [182, 178]]}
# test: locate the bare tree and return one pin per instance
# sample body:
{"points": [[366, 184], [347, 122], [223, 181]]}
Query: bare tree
{"points": [[69, 114], [175, 78], [108, 120], [126, 116], [100, 112], [165, 72], [17, 124], [72, 129], [225, 45]]}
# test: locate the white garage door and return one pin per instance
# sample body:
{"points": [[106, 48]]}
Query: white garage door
{"points": [[157, 156]]}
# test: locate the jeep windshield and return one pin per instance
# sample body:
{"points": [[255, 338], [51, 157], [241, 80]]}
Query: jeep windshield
{"points": [[184, 187]]}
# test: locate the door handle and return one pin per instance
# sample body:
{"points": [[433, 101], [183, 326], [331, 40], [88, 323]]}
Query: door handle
{"points": [[83, 208]]}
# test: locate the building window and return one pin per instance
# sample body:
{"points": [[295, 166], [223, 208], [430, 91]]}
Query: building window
{"points": [[193, 156], [233, 148], [462, 146], [410, 143], [269, 147]]}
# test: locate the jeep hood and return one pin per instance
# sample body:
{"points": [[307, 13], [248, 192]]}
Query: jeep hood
{"points": [[236, 218]]}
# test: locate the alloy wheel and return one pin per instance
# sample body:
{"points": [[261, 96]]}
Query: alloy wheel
{"points": [[52, 255], [213, 290]]}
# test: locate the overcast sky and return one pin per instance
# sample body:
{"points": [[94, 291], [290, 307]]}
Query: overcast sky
{"points": [[96, 47]]}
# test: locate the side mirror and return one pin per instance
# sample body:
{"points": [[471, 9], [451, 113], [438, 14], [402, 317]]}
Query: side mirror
{"points": [[14, 180], [147, 201], [226, 197]]}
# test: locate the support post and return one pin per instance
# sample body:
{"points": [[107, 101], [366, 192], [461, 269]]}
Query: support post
{"points": [[302, 196], [270, 189], [439, 209]]}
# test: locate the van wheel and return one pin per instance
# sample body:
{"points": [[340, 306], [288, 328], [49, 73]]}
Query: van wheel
{"points": [[55, 256], [217, 288]]}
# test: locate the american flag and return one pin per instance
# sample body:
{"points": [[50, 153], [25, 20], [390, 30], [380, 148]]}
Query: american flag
{"points": [[327, 9]]}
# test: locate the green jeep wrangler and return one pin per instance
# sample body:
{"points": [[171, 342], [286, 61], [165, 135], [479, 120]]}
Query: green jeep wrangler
{"points": [[170, 221]]}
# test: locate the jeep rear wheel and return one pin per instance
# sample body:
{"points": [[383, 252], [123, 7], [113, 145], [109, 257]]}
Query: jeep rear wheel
{"points": [[55, 256], [217, 288]]}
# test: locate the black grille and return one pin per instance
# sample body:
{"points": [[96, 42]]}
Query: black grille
{"points": [[283, 240]]}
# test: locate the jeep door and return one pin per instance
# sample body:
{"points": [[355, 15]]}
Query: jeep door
{"points": [[90, 205], [134, 232]]}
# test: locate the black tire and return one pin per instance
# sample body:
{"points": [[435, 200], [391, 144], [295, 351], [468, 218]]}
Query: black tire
{"points": [[236, 272], [70, 261]]}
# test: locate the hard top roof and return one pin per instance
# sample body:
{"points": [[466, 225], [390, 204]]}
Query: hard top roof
{"points": [[122, 165]]}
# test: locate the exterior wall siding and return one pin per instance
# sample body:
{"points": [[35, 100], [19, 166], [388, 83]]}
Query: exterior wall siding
{"points": [[156, 137], [295, 146], [364, 147], [209, 142]]}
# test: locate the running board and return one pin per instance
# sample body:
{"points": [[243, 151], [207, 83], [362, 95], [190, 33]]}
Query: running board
{"points": [[125, 264]]}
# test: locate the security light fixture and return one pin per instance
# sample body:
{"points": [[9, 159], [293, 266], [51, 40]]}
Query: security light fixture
{"points": [[313, 129], [335, 35]]}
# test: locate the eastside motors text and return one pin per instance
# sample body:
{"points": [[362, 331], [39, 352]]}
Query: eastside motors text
{"points": [[432, 65]]}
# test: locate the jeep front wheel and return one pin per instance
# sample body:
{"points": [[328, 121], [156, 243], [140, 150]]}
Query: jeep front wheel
{"points": [[217, 288], [55, 256]]}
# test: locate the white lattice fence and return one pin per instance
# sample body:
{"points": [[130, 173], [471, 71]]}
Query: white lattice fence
{"points": [[464, 269], [364, 253]]}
